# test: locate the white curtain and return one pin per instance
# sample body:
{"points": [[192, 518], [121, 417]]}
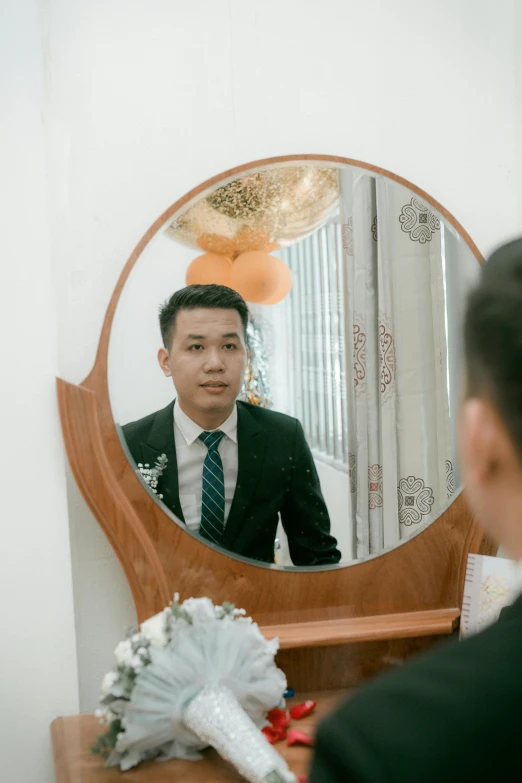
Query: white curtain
{"points": [[400, 443], [371, 360]]}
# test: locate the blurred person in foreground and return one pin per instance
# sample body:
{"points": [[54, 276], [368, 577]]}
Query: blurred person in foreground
{"points": [[455, 712]]}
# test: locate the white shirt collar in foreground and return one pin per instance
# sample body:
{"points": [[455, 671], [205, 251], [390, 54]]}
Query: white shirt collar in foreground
{"points": [[516, 588], [191, 431]]}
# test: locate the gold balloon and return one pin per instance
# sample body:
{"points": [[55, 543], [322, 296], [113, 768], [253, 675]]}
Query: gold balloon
{"points": [[260, 211]]}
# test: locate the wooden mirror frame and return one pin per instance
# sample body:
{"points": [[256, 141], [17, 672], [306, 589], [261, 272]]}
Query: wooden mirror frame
{"points": [[412, 591]]}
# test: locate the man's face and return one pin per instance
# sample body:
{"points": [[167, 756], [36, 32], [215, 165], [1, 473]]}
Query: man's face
{"points": [[207, 359]]}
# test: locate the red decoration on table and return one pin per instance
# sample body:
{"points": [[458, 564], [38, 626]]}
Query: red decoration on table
{"points": [[296, 737], [279, 718], [299, 711], [278, 730], [274, 733]]}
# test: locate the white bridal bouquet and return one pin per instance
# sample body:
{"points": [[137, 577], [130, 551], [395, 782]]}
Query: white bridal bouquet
{"points": [[194, 675]]}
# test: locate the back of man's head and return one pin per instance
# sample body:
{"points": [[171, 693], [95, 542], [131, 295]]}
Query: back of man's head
{"points": [[493, 338]]}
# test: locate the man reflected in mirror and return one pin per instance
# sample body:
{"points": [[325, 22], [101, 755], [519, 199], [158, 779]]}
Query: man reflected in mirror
{"points": [[229, 468]]}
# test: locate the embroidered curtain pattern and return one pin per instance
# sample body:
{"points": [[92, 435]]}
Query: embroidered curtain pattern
{"points": [[374, 320], [400, 442]]}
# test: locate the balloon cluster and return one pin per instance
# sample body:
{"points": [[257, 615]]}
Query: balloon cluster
{"points": [[258, 276], [240, 223]]}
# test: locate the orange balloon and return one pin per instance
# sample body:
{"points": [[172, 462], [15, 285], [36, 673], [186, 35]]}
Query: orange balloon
{"points": [[285, 284], [255, 275], [209, 268]]}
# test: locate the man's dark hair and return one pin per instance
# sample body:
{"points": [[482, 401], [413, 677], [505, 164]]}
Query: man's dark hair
{"points": [[199, 296], [493, 337]]}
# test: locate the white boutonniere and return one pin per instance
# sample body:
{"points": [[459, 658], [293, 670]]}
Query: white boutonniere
{"points": [[152, 475]]}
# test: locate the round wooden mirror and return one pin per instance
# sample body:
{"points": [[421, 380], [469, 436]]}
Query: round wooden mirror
{"points": [[389, 254]]}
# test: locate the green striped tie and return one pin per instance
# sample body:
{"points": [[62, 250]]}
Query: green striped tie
{"points": [[213, 494]]}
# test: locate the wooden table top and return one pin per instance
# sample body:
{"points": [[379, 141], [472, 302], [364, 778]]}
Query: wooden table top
{"points": [[73, 736]]}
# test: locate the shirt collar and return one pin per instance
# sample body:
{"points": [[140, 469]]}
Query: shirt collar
{"points": [[191, 431], [516, 585]]}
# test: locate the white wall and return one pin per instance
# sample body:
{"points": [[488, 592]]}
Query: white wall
{"points": [[137, 385], [38, 673], [149, 99]]}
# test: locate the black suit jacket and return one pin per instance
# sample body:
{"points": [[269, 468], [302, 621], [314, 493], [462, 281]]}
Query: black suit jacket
{"points": [[276, 474], [452, 714]]}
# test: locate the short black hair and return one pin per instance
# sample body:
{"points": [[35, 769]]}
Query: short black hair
{"points": [[493, 337], [194, 297]]}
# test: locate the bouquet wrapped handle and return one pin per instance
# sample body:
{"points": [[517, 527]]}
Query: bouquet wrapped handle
{"points": [[218, 719]]}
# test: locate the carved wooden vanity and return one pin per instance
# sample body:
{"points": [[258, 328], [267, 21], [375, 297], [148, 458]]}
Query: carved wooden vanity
{"points": [[336, 627]]}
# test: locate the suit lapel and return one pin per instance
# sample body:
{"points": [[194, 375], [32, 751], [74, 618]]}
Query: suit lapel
{"points": [[251, 444], [161, 441]]}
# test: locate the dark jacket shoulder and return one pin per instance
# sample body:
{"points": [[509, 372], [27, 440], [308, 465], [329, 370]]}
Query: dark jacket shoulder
{"points": [[140, 429], [155, 429], [270, 419], [453, 713]]}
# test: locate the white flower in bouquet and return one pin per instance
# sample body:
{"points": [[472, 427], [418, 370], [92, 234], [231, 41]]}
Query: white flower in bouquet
{"points": [[137, 663], [108, 681], [105, 715], [123, 652], [200, 610], [101, 714], [155, 629]]}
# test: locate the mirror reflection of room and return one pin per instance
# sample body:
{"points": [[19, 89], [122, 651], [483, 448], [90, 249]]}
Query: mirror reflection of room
{"points": [[308, 332]]}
